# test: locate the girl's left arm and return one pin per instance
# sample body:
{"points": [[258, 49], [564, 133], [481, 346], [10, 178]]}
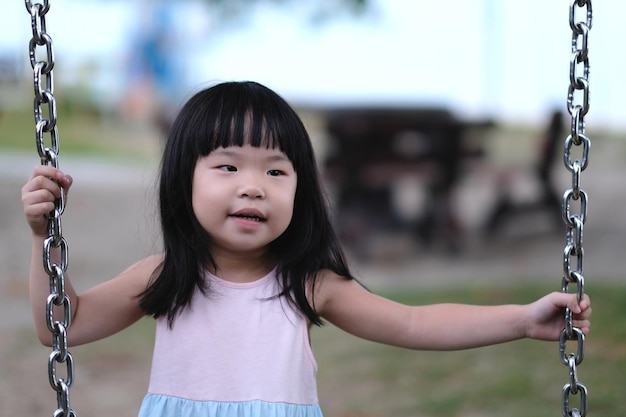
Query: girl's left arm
{"points": [[350, 307]]}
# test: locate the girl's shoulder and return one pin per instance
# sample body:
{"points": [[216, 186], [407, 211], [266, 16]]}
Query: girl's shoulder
{"points": [[149, 263], [142, 271], [331, 287]]}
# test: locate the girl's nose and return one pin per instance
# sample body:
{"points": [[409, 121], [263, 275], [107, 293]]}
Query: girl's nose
{"points": [[251, 189]]}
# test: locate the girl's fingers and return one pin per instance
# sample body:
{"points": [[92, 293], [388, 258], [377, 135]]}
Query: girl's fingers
{"points": [[39, 210], [50, 179], [41, 183], [38, 202], [582, 312], [66, 181], [571, 301], [48, 171]]}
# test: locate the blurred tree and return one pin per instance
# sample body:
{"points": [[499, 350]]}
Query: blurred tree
{"points": [[318, 11], [156, 60]]}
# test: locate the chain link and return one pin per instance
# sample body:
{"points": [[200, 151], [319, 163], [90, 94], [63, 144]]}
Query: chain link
{"points": [[573, 254], [45, 114]]}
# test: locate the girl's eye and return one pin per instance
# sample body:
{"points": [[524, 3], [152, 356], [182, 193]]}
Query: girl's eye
{"points": [[275, 172], [228, 168]]}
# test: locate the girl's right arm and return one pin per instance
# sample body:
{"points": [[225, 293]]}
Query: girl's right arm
{"points": [[102, 310]]}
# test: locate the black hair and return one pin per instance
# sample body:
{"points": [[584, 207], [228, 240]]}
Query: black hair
{"points": [[234, 114]]}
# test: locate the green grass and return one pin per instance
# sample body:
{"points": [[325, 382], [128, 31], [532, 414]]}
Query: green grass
{"points": [[522, 378], [81, 133]]}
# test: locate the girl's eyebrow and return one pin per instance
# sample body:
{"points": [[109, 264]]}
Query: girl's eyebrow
{"points": [[223, 152], [277, 156]]}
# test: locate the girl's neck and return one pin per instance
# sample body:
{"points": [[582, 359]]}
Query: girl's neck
{"points": [[239, 269]]}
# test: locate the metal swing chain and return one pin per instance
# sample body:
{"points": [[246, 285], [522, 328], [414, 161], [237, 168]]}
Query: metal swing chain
{"points": [[44, 99], [577, 106]]}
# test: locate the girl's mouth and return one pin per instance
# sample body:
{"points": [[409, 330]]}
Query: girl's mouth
{"points": [[252, 215], [249, 217]]}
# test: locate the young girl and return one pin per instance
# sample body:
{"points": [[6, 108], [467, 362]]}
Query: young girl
{"points": [[250, 262]]}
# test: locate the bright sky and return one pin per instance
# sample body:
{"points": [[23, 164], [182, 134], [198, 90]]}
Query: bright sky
{"points": [[503, 57]]}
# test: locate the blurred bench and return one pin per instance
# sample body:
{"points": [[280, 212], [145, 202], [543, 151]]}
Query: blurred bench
{"points": [[372, 147]]}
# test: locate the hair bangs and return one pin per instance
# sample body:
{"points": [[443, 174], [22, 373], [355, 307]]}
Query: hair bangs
{"points": [[262, 121]]}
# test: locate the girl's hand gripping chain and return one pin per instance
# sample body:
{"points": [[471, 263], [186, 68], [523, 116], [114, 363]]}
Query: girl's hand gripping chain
{"points": [[547, 318], [39, 194]]}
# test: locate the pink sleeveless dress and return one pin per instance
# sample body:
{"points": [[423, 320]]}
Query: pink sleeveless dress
{"points": [[237, 352]]}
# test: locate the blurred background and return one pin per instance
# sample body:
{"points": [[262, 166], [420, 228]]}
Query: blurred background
{"points": [[484, 57], [439, 130]]}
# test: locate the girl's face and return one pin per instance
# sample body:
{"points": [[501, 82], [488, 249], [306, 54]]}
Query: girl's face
{"points": [[243, 197]]}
